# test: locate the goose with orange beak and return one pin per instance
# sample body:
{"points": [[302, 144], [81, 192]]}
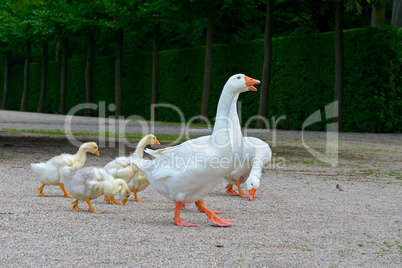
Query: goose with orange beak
{"points": [[191, 183], [254, 155]]}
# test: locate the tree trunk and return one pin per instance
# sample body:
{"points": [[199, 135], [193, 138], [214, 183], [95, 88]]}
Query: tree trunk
{"points": [[26, 77], [155, 72], [6, 79], [396, 18], [339, 59], [58, 50], [89, 73], [44, 78], [208, 62], [378, 13], [119, 51], [266, 70], [63, 77]]}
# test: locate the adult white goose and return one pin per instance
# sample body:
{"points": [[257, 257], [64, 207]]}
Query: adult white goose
{"points": [[49, 173], [122, 168], [256, 153], [89, 183], [187, 173]]}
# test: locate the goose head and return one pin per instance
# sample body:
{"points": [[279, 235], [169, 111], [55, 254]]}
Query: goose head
{"points": [[241, 83], [152, 140], [91, 147], [123, 190], [252, 184]]}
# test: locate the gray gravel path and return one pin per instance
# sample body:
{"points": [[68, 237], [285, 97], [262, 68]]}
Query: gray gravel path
{"points": [[300, 218]]}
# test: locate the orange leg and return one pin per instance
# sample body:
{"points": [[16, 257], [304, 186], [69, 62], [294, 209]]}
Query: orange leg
{"points": [[230, 191], [214, 211], [212, 216], [114, 202], [108, 199], [177, 219], [91, 208], [40, 190], [75, 206], [241, 193], [61, 185], [136, 197]]}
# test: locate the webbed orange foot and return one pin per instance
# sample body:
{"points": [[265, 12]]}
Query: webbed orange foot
{"points": [[114, 202], [177, 219], [212, 216], [66, 194], [75, 206], [136, 197], [91, 208], [40, 190], [230, 191]]}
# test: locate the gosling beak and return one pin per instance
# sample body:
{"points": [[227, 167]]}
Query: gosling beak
{"points": [[157, 142], [250, 82], [252, 192], [96, 153], [124, 202]]}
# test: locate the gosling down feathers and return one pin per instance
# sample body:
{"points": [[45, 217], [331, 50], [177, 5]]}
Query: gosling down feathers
{"points": [[89, 183], [122, 168], [49, 172]]}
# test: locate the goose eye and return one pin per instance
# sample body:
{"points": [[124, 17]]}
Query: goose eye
{"points": [[238, 77]]}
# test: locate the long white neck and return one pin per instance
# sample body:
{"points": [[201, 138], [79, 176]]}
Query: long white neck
{"points": [[235, 117], [139, 151], [223, 124]]}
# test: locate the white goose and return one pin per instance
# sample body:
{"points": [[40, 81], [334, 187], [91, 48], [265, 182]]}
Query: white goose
{"points": [[187, 173], [89, 183], [122, 168], [49, 173], [256, 153]]}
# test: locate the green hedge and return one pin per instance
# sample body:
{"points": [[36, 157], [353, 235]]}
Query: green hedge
{"points": [[302, 80]]}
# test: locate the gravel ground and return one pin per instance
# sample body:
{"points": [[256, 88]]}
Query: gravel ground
{"points": [[300, 218]]}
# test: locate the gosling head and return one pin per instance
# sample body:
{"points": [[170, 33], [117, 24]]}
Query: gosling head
{"points": [[151, 140], [91, 147], [124, 191], [252, 184]]}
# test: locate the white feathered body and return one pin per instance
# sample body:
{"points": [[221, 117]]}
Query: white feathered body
{"points": [[189, 171], [256, 153]]}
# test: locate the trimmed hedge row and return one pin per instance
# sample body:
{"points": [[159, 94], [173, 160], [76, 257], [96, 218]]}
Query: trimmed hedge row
{"points": [[302, 81]]}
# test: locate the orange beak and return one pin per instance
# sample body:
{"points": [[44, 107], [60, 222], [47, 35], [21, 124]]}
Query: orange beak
{"points": [[252, 193], [124, 202], [250, 82], [97, 153], [157, 142]]}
